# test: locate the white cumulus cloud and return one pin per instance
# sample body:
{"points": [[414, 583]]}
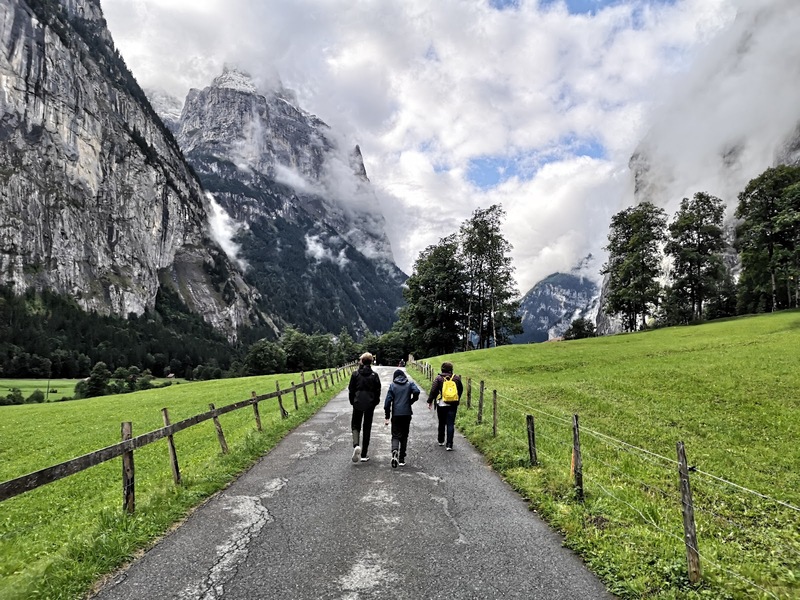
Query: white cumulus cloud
{"points": [[457, 105]]}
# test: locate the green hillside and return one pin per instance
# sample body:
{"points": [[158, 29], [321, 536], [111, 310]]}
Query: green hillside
{"points": [[55, 541], [729, 390]]}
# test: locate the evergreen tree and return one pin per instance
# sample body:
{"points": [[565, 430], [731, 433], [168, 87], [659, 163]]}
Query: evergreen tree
{"points": [[579, 329], [634, 262], [492, 297], [436, 299], [696, 246], [767, 238]]}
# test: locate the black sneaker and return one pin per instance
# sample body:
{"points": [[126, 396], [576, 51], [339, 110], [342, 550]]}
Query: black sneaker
{"points": [[394, 459], [441, 443], [449, 448]]}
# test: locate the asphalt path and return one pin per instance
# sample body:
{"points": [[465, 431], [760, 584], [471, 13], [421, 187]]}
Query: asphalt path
{"points": [[307, 523]]}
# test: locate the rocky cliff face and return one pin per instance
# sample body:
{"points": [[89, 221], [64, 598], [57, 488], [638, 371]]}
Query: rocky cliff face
{"points": [[96, 201], [311, 232], [550, 306]]}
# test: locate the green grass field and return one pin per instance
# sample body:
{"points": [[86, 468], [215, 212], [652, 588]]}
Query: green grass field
{"points": [[58, 388], [55, 541], [62, 387], [729, 390]]}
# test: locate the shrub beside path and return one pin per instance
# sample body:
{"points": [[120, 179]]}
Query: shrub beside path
{"points": [[307, 523]]}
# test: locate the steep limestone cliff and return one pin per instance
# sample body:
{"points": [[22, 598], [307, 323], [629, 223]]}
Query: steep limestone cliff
{"points": [[96, 200]]}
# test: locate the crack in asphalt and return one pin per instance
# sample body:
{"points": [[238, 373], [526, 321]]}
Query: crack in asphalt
{"points": [[253, 516]]}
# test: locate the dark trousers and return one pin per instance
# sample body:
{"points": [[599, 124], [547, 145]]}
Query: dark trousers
{"points": [[365, 417], [447, 421], [400, 427]]}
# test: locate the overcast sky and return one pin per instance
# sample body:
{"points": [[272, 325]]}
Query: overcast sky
{"points": [[536, 105]]}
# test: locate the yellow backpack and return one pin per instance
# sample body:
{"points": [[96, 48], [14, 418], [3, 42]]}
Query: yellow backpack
{"points": [[449, 390]]}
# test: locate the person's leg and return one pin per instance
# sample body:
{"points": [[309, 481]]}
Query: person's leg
{"points": [[355, 426], [405, 425], [395, 434], [451, 424], [441, 412], [365, 434]]}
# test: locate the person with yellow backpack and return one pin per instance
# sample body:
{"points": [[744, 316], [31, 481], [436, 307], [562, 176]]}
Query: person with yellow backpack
{"points": [[446, 391]]}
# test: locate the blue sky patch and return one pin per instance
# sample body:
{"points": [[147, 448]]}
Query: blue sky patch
{"points": [[486, 172], [503, 4], [583, 7]]}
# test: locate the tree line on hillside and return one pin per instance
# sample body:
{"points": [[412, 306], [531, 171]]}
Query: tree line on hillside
{"points": [[47, 336], [696, 282]]}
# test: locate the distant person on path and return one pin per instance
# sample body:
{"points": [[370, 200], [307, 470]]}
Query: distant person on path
{"points": [[447, 396], [365, 395], [401, 395]]}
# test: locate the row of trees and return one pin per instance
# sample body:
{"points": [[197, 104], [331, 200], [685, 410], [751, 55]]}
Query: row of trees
{"points": [[696, 282], [462, 293]]}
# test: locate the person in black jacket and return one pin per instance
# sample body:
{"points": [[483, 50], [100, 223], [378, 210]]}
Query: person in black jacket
{"points": [[365, 395], [446, 411], [401, 395]]}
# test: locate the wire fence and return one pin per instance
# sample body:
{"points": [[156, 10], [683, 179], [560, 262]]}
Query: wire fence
{"points": [[746, 542]]}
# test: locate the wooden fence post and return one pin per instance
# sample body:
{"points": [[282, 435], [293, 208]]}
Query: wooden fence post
{"points": [[254, 400], [305, 390], [577, 461], [284, 414], [480, 404], [294, 395], [325, 375], [315, 382], [128, 479], [531, 440], [220, 436], [173, 455], [469, 392], [689, 529], [494, 413]]}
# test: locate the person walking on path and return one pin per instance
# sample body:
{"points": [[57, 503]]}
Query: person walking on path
{"points": [[447, 396], [365, 394], [401, 395]]}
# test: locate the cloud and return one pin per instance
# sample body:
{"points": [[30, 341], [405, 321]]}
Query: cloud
{"points": [[443, 96], [223, 229], [316, 249]]}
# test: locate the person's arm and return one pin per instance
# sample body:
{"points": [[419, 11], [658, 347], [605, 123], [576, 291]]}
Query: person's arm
{"points": [[435, 390], [414, 392], [351, 388], [377, 390], [459, 386], [387, 405]]}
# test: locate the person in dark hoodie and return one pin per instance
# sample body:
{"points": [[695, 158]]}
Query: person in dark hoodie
{"points": [[365, 395], [401, 395], [446, 408]]}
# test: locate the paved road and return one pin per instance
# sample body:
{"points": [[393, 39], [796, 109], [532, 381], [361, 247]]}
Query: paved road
{"points": [[307, 523]]}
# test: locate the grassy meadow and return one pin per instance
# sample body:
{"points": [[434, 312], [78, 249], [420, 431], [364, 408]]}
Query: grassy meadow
{"points": [[59, 388], [730, 390], [56, 540]]}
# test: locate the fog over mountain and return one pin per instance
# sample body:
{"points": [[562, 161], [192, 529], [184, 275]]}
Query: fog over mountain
{"points": [[536, 105]]}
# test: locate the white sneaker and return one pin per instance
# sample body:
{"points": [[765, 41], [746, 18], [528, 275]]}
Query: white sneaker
{"points": [[356, 453], [364, 458], [394, 459], [441, 443], [449, 448], [403, 464]]}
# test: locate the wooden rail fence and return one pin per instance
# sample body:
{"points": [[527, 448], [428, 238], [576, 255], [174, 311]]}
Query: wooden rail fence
{"points": [[125, 448]]}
